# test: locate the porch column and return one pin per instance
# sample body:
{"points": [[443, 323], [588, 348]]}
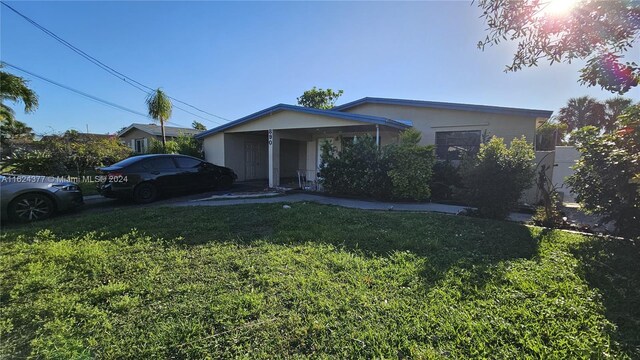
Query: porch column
{"points": [[274, 158]]}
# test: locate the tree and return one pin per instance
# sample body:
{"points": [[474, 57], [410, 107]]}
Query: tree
{"points": [[614, 107], [15, 89], [160, 107], [14, 134], [599, 32], [582, 111], [495, 179], [198, 126], [319, 98], [606, 176]]}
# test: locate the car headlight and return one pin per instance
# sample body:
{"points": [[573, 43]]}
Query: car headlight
{"points": [[66, 187]]}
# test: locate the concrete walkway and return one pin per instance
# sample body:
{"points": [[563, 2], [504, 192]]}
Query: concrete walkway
{"points": [[348, 203]]}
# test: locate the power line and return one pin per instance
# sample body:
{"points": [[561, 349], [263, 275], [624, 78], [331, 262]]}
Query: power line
{"points": [[82, 93], [110, 70]]}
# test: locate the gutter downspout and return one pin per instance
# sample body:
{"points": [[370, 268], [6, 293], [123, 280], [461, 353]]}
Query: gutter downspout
{"points": [[378, 136]]}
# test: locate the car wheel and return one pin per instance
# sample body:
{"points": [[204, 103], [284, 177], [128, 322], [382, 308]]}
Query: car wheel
{"points": [[31, 207], [225, 182], [145, 193]]}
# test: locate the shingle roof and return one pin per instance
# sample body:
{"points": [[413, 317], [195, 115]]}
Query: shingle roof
{"points": [[330, 113], [155, 130], [447, 106]]}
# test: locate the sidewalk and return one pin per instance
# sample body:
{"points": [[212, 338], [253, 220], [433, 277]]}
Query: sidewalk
{"points": [[348, 203]]}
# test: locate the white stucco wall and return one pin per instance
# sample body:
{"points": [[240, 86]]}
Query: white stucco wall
{"points": [[566, 157]]}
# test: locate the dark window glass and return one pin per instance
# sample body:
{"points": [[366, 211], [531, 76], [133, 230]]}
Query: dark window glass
{"points": [[187, 163], [452, 145], [160, 163]]}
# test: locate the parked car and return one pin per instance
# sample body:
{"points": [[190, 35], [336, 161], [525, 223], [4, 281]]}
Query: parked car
{"points": [[143, 178], [25, 198]]}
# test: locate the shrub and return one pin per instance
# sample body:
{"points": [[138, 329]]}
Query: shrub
{"points": [[604, 178], [183, 144], [358, 169], [496, 178], [410, 167], [398, 171], [444, 180]]}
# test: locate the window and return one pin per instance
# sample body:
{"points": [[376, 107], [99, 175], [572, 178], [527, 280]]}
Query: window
{"points": [[187, 163], [140, 146], [452, 145], [160, 163]]}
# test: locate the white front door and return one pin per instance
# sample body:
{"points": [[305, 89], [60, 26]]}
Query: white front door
{"points": [[251, 160]]}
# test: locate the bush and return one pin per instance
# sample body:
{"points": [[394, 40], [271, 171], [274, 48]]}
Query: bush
{"points": [[360, 169], [410, 167], [605, 176], [183, 144], [496, 178], [445, 179], [398, 171]]}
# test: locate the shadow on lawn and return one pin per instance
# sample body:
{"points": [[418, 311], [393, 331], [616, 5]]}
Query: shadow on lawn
{"points": [[613, 267], [445, 241]]}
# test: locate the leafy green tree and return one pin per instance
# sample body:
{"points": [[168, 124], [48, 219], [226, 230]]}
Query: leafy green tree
{"points": [[582, 111], [160, 107], [600, 32], [15, 89], [198, 126], [495, 179], [319, 98], [614, 107], [606, 177]]}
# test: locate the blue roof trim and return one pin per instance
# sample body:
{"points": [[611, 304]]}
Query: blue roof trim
{"points": [[447, 106], [282, 107]]}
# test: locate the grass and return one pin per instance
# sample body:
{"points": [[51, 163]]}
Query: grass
{"points": [[259, 281], [88, 188]]}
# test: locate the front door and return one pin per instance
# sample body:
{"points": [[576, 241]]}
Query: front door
{"points": [[251, 160]]}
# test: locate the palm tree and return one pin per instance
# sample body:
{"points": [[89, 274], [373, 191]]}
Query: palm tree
{"points": [[582, 111], [160, 108], [614, 108], [14, 88]]}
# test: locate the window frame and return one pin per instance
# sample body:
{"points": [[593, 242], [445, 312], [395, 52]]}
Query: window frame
{"points": [[462, 144]]}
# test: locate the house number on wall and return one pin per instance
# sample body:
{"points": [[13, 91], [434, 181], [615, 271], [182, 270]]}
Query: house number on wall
{"points": [[270, 136]]}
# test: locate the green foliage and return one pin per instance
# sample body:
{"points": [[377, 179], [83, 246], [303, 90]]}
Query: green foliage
{"points": [[549, 214], [198, 126], [599, 32], [410, 167], [604, 178], [72, 153], [319, 98], [549, 135], [159, 107], [183, 144], [256, 280], [496, 178], [445, 180], [359, 169], [397, 171], [15, 89]]}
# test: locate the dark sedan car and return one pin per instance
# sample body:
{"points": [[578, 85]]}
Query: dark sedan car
{"points": [[143, 178], [27, 198]]}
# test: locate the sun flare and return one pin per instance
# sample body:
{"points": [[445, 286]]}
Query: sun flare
{"points": [[560, 7]]}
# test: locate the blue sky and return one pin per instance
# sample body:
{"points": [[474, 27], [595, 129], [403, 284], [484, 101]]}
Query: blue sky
{"points": [[235, 58]]}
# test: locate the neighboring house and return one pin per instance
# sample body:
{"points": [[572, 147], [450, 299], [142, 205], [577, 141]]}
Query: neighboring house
{"points": [[138, 136], [280, 141]]}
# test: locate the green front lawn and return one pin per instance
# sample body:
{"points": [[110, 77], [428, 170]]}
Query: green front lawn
{"points": [[260, 281]]}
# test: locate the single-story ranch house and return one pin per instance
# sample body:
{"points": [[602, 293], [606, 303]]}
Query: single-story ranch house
{"points": [[280, 141], [138, 136]]}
